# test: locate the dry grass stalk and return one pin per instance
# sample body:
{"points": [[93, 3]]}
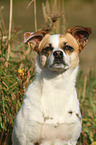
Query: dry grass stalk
{"points": [[58, 24], [84, 89], [44, 12], [10, 28], [35, 15], [63, 18], [2, 23], [55, 8], [30, 4]]}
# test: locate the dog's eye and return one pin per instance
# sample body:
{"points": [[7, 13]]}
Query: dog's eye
{"points": [[69, 48], [47, 49]]}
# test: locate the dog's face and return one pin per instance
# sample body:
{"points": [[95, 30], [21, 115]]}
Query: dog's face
{"points": [[59, 52]]}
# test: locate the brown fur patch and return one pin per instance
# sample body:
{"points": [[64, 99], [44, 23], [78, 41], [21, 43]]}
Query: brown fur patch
{"points": [[70, 40], [74, 59], [44, 41]]}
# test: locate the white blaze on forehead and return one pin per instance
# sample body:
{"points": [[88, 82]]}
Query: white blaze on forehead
{"points": [[54, 39]]}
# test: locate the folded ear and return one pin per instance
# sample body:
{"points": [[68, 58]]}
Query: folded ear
{"points": [[81, 34], [34, 38]]}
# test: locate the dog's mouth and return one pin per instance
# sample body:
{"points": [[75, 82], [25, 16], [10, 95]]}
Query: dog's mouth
{"points": [[58, 61], [58, 65]]}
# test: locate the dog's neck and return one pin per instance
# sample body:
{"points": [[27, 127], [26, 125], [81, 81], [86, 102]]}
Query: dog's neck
{"points": [[68, 76]]}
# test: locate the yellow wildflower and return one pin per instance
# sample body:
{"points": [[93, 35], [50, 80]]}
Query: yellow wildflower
{"points": [[94, 143], [21, 72]]}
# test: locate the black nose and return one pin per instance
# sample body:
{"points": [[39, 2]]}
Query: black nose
{"points": [[58, 54]]}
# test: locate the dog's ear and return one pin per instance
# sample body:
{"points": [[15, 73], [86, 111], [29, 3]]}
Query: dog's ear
{"points": [[81, 34], [34, 38]]}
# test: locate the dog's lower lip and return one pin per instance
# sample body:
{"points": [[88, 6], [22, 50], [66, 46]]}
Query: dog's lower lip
{"points": [[58, 65], [58, 62]]}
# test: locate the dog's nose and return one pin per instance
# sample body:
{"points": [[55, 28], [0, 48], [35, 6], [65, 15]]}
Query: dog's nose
{"points": [[58, 54]]}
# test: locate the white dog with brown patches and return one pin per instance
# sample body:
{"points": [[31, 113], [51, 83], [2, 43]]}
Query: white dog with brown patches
{"points": [[50, 113]]}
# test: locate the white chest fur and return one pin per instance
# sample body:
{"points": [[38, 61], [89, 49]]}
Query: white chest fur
{"points": [[53, 98], [59, 98], [50, 109]]}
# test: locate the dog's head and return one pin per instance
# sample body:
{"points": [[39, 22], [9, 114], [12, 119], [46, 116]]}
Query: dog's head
{"points": [[59, 52]]}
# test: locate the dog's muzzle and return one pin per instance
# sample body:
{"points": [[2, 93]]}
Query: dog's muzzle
{"points": [[57, 62], [58, 56]]}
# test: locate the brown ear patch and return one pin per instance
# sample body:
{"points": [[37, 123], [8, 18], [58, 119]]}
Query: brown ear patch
{"points": [[81, 34], [27, 35], [34, 38]]}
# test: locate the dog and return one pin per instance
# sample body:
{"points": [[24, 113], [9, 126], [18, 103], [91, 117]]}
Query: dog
{"points": [[50, 113]]}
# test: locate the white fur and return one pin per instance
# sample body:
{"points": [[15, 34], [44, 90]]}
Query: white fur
{"points": [[45, 116], [54, 39]]}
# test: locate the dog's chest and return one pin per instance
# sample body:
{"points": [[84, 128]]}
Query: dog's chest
{"points": [[56, 99], [54, 94]]}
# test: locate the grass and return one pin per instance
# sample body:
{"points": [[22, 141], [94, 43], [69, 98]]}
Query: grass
{"points": [[19, 73], [86, 88]]}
